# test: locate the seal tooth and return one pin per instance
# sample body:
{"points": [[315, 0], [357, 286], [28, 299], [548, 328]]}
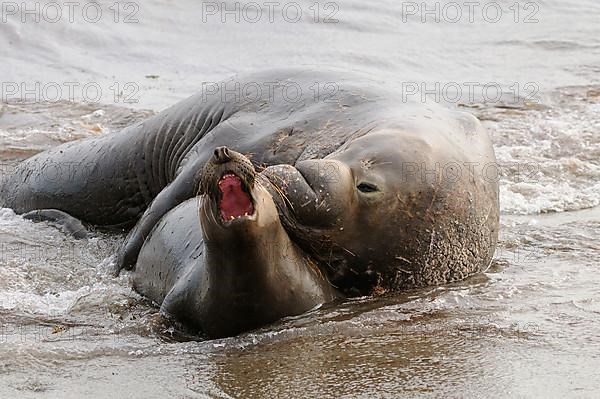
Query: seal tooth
{"points": [[232, 217]]}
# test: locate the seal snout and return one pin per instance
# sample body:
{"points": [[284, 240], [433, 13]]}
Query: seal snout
{"points": [[228, 179]]}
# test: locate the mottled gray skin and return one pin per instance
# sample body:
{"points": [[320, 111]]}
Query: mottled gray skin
{"points": [[226, 277], [382, 192]]}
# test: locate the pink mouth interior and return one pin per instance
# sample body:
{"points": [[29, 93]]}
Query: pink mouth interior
{"points": [[234, 201]]}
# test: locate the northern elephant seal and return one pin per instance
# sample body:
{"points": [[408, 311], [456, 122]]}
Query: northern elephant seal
{"points": [[381, 191]]}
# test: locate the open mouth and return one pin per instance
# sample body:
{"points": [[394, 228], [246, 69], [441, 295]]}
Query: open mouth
{"points": [[234, 200]]}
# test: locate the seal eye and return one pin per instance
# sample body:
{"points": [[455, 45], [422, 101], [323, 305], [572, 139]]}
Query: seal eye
{"points": [[367, 188]]}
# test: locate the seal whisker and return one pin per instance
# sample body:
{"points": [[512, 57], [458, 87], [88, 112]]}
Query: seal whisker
{"points": [[278, 189], [347, 250], [260, 167], [209, 215], [201, 209], [283, 196]]}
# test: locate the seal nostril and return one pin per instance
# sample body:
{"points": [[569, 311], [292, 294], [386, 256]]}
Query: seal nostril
{"points": [[221, 155]]}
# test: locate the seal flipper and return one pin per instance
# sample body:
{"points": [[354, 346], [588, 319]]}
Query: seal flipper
{"points": [[181, 189], [62, 220]]}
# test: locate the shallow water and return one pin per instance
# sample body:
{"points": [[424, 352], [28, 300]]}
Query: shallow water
{"points": [[526, 328]]}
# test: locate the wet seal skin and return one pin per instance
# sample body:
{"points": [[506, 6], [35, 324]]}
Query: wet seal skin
{"points": [[223, 262], [383, 193], [62, 220]]}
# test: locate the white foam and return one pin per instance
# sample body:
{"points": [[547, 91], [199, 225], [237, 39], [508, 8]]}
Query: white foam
{"points": [[549, 158]]}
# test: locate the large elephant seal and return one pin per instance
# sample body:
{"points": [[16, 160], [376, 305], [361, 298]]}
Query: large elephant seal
{"points": [[222, 262], [382, 192]]}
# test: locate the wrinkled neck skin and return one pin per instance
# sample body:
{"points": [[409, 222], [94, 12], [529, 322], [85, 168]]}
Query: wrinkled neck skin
{"points": [[254, 273]]}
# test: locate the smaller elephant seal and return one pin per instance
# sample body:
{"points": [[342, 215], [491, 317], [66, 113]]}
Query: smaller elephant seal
{"points": [[233, 268]]}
